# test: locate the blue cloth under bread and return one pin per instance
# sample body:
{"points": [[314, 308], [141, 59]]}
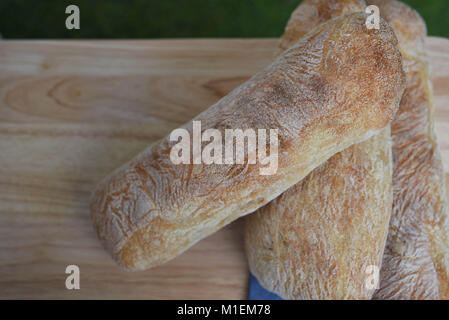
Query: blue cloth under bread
{"points": [[257, 292]]}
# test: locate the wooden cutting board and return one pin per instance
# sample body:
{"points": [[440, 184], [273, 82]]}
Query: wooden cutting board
{"points": [[72, 111]]}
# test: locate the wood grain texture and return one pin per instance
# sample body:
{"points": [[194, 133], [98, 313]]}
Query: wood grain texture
{"points": [[70, 112]]}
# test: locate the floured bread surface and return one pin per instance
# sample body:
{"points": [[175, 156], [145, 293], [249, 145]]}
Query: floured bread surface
{"points": [[311, 13], [323, 237], [338, 86], [416, 259]]}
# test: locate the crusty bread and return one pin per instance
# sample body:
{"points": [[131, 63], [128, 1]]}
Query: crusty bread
{"points": [[338, 86], [416, 259], [318, 239]]}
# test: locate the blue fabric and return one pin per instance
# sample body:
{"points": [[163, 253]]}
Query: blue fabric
{"points": [[257, 292]]}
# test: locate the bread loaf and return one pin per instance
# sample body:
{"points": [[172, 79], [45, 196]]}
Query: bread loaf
{"points": [[323, 237], [338, 86], [416, 260], [319, 239]]}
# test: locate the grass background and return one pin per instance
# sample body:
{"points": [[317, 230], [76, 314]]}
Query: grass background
{"points": [[171, 18]]}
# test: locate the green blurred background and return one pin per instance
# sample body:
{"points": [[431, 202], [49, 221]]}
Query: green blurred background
{"points": [[171, 18]]}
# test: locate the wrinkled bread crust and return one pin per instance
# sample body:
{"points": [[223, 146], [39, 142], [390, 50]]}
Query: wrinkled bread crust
{"points": [[416, 259]]}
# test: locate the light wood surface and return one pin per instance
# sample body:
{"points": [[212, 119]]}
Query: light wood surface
{"points": [[70, 112]]}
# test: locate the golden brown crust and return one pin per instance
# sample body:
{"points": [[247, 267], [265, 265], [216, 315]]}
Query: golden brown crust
{"points": [[311, 13], [336, 87], [416, 259], [317, 240]]}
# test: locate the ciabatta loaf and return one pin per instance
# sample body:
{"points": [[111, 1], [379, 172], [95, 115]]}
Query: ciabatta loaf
{"points": [[416, 259], [325, 236], [337, 86]]}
